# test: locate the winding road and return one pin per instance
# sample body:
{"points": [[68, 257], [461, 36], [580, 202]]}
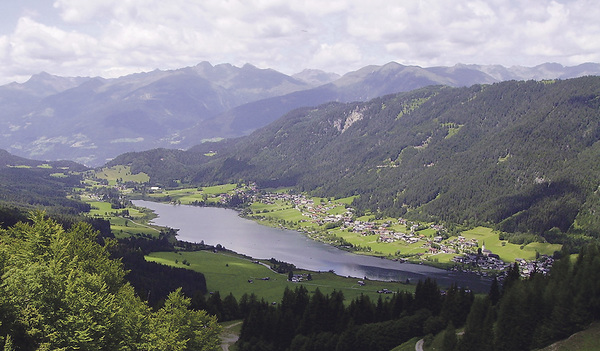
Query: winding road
{"points": [[419, 345]]}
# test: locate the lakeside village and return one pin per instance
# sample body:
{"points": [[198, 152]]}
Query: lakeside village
{"points": [[470, 257]]}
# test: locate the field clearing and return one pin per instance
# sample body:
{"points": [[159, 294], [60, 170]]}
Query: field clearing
{"points": [[508, 252], [407, 346], [123, 173], [123, 227], [586, 340], [219, 189], [260, 206], [287, 214], [381, 247], [226, 272], [187, 196], [346, 200], [278, 211]]}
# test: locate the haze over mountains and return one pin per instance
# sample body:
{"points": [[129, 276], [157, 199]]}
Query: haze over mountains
{"points": [[91, 120]]}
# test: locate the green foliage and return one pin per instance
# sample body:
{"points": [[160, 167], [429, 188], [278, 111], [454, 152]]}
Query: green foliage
{"points": [[61, 290], [37, 188], [175, 327], [325, 322]]}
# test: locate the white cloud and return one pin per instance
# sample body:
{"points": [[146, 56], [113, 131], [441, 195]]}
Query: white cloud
{"points": [[116, 37]]}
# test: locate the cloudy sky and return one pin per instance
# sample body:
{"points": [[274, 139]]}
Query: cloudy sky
{"points": [[110, 38]]}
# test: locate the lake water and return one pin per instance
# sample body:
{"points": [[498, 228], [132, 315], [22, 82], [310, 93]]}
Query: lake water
{"points": [[224, 226]]}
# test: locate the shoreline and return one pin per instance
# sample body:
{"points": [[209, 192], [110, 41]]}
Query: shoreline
{"points": [[384, 272]]}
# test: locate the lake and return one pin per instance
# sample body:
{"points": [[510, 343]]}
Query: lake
{"points": [[225, 227]]}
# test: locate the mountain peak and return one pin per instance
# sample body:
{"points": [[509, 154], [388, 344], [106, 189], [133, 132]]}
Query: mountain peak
{"points": [[45, 84], [316, 77], [41, 76], [249, 66]]}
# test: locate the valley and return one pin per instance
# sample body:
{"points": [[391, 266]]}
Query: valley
{"points": [[332, 221], [484, 181]]}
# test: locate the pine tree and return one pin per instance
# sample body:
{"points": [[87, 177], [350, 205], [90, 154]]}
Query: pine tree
{"points": [[449, 341], [494, 293]]}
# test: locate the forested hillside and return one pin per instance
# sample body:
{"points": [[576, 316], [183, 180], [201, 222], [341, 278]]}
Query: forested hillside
{"points": [[29, 184], [520, 155]]}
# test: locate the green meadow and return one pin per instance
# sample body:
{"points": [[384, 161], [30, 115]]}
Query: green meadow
{"points": [[123, 173], [122, 227], [227, 272], [586, 340], [508, 252], [188, 196]]}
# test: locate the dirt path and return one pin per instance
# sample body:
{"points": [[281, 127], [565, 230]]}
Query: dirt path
{"points": [[142, 225], [229, 337]]}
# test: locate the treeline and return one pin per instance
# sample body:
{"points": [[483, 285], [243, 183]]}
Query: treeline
{"points": [[13, 213], [154, 282], [522, 314], [36, 188], [535, 312], [325, 322], [23, 190]]}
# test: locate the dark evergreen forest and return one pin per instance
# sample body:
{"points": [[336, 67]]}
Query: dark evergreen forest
{"points": [[522, 314]]}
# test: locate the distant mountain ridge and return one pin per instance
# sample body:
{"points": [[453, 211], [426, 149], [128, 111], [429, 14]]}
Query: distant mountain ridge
{"points": [[91, 120]]}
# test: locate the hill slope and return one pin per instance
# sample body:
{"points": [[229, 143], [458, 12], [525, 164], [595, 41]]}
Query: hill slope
{"points": [[521, 155]]}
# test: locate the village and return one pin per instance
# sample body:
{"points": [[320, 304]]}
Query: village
{"points": [[470, 256]]}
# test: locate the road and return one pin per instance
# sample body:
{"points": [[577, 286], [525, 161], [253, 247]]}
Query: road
{"points": [[419, 345], [228, 337]]}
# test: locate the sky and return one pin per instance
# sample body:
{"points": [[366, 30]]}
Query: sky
{"points": [[112, 38]]}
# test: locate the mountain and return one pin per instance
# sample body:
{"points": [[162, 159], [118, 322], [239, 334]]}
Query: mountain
{"points": [[316, 77], [91, 120], [100, 118], [518, 155], [373, 81]]}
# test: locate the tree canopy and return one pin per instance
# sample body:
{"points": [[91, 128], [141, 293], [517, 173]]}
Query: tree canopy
{"points": [[60, 289]]}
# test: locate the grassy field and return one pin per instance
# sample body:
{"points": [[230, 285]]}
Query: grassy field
{"points": [[586, 340], [188, 196], [407, 346], [123, 173], [124, 227], [508, 252], [226, 272]]}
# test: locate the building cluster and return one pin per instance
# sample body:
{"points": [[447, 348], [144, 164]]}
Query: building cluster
{"points": [[487, 263], [468, 255]]}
